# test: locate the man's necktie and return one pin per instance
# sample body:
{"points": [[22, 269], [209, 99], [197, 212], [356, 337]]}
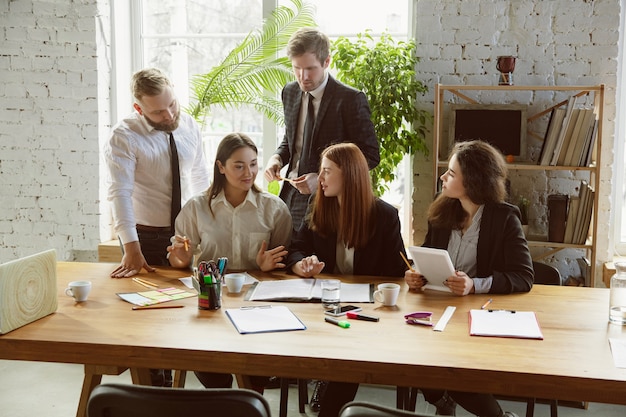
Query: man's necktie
{"points": [[309, 124], [175, 207]]}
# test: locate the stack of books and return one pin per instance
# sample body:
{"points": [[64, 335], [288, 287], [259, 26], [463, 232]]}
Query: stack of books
{"points": [[570, 136], [579, 215]]}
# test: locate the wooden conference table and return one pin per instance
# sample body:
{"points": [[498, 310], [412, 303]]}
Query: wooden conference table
{"points": [[573, 362]]}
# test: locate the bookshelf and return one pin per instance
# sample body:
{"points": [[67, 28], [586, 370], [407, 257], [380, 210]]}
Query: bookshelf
{"points": [[506, 95]]}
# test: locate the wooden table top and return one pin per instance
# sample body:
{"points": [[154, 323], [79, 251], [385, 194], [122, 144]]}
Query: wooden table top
{"points": [[573, 362]]}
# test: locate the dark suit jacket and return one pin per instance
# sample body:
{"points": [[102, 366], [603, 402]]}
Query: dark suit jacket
{"points": [[380, 257], [343, 116], [502, 249]]}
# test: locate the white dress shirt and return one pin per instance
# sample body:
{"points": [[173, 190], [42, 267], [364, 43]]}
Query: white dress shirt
{"points": [[140, 175], [234, 232]]}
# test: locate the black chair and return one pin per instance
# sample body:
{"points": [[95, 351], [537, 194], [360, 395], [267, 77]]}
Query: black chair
{"points": [[120, 400], [365, 409]]}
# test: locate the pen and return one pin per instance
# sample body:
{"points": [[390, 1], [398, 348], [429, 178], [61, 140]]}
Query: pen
{"points": [[146, 284], [406, 261], [364, 317], [156, 307], [340, 323], [486, 304]]}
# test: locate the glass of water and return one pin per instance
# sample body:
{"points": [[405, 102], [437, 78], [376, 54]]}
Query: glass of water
{"points": [[331, 289]]}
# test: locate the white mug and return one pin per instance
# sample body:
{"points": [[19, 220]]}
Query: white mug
{"points": [[387, 293], [234, 282], [79, 290]]}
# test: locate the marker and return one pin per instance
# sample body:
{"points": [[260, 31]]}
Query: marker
{"points": [[364, 317], [340, 323], [486, 304]]}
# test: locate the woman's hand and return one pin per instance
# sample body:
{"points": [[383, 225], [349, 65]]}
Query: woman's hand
{"points": [[270, 259], [179, 254], [308, 267], [414, 280], [460, 283]]}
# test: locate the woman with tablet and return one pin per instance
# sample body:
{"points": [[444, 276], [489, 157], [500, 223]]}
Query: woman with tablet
{"points": [[484, 237]]}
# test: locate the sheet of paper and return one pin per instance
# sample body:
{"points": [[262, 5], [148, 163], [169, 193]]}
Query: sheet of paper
{"points": [[264, 319], [504, 323], [288, 289], [618, 349]]}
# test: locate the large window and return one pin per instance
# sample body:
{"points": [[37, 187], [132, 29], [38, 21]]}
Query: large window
{"points": [[188, 37]]}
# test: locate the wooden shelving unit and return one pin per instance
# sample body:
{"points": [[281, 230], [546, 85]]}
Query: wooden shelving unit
{"points": [[461, 92]]}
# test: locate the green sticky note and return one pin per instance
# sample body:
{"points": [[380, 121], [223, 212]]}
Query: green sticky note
{"points": [[273, 187]]}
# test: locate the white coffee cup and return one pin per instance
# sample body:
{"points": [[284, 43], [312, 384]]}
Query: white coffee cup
{"points": [[79, 290], [387, 293], [234, 282]]}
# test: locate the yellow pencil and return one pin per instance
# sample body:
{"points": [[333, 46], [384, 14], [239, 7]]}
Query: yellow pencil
{"points": [[145, 283], [406, 261]]}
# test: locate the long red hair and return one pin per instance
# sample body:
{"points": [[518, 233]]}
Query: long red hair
{"points": [[351, 220]]}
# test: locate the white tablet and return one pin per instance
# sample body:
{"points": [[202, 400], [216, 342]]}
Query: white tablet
{"points": [[434, 264]]}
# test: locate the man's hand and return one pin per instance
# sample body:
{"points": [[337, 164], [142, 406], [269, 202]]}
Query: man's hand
{"points": [[306, 184], [272, 172], [132, 262], [270, 259]]}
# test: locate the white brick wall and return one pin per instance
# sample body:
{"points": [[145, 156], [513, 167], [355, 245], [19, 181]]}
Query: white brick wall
{"points": [[49, 129], [557, 42], [54, 88]]}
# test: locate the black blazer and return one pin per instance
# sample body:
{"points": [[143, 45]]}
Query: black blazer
{"points": [[380, 257], [502, 249], [343, 116]]}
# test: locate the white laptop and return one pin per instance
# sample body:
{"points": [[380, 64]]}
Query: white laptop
{"points": [[28, 290], [434, 264]]}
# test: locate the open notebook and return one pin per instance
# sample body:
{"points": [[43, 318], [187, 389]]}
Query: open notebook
{"points": [[307, 289]]}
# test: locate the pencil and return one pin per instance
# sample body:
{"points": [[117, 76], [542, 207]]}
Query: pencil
{"points": [[145, 283], [186, 244], [156, 307], [486, 304], [406, 261]]}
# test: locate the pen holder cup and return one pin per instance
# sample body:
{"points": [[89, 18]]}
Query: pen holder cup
{"points": [[210, 296]]}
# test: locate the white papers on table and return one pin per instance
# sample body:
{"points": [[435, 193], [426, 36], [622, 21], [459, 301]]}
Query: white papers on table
{"points": [[264, 319], [306, 289], [618, 349], [504, 323]]}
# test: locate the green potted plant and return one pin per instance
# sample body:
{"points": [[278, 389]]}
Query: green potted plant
{"points": [[253, 68], [385, 72]]}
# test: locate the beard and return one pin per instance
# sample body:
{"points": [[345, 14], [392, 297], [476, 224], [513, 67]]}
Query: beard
{"points": [[165, 127]]}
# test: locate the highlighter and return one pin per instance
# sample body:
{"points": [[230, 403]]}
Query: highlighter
{"points": [[341, 323], [357, 316]]}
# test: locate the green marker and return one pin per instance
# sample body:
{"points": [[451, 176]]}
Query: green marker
{"points": [[340, 323]]}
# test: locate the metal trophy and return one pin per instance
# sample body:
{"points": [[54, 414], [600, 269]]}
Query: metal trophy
{"points": [[506, 65]]}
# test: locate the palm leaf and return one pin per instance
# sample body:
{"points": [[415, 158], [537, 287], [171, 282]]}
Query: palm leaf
{"points": [[253, 68]]}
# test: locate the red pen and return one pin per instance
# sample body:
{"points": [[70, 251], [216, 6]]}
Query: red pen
{"points": [[365, 317]]}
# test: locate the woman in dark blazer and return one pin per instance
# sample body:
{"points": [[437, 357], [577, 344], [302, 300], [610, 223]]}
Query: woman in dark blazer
{"points": [[484, 237], [347, 231]]}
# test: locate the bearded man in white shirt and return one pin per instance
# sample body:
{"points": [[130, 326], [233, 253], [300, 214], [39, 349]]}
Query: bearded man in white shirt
{"points": [[138, 157]]}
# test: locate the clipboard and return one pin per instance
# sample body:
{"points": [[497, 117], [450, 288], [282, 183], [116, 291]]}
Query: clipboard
{"points": [[263, 319], [505, 323], [434, 264]]}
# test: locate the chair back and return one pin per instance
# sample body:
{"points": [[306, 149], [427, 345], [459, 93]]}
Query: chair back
{"points": [[365, 409], [124, 400], [546, 274]]}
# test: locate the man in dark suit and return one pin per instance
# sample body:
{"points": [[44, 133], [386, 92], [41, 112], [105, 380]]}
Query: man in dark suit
{"points": [[335, 112]]}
